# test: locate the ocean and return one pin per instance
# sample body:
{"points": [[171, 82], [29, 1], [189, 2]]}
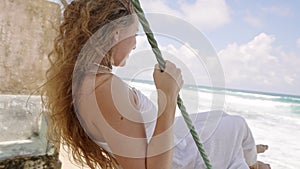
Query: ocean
{"points": [[273, 118]]}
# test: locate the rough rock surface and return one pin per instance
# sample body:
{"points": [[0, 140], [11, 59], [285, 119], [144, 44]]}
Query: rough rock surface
{"points": [[23, 143], [27, 31], [32, 162]]}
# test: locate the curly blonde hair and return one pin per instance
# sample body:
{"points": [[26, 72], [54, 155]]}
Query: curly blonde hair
{"points": [[81, 19]]}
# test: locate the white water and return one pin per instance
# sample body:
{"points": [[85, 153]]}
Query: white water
{"points": [[272, 122]]}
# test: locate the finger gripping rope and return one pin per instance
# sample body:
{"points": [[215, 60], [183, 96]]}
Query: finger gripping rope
{"points": [[161, 61]]}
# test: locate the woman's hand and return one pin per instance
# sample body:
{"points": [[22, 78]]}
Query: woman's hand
{"points": [[170, 81]]}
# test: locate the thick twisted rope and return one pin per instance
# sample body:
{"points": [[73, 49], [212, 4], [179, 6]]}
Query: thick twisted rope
{"points": [[161, 61]]}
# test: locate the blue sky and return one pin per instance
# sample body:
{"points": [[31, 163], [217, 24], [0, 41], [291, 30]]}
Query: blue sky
{"points": [[257, 41], [249, 18]]}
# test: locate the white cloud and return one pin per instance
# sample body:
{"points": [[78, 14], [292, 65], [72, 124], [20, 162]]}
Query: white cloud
{"points": [[259, 65], [278, 10], [185, 57], [206, 15], [298, 43], [253, 21]]}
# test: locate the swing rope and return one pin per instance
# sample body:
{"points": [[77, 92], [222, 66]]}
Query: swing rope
{"points": [[161, 61]]}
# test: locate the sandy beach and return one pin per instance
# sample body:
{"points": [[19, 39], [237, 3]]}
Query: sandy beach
{"points": [[66, 162]]}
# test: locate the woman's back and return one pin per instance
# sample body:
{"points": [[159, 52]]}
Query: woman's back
{"points": [[108, 98]]}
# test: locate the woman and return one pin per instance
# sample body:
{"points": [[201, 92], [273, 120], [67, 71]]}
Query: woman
{"points": [[105, 122]]}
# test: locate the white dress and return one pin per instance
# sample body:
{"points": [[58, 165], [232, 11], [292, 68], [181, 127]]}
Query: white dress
{"points": [[229, 144]]}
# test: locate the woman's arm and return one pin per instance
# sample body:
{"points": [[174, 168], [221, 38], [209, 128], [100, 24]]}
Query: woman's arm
{"points": [[160, 148]]}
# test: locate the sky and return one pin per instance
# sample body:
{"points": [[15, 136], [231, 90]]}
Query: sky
{"points": [[257, 42]]}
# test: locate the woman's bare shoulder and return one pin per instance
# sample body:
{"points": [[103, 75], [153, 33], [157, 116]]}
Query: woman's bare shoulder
{"points": [[113, 86]]}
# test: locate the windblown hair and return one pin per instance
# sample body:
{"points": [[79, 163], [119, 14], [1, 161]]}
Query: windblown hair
{"points": [[81, 19]]}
